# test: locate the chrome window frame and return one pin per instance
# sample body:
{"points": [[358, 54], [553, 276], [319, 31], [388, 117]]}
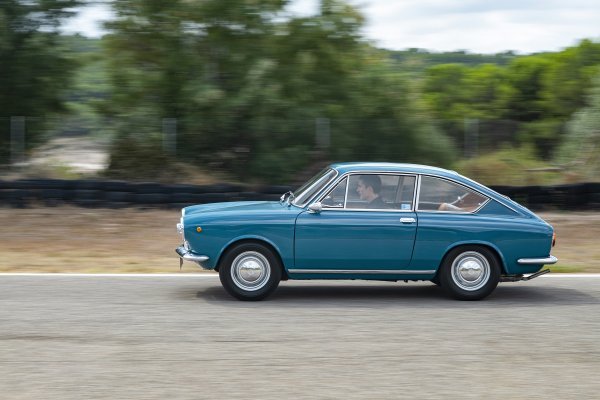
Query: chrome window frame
{"points": [[310, 200], [333, 187], [348, 174], [487, 198], [502, 196]]}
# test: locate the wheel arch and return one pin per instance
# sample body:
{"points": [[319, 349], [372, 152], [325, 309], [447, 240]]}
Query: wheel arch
{"points": [[497, 253], [253, 240]]}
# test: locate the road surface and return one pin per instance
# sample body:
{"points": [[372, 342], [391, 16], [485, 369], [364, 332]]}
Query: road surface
{"points": [[182, 337]]}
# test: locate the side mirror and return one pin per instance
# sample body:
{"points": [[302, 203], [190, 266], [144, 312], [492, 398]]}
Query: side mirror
{"points": [[315, 208]]}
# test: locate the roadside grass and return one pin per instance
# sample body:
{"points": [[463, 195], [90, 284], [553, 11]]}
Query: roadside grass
{"points": [[82, 240], [565, 269]]}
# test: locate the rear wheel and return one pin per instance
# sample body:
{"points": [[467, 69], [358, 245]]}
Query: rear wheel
{"points": [[250, 271], [470, 273]]}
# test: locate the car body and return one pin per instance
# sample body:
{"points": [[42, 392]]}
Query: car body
{"points": [[428, 223]]}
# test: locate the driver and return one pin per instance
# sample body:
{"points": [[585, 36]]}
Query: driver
{"points": [[369, 187]]}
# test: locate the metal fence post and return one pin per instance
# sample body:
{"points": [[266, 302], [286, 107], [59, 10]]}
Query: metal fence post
{"points": [[323, 133], [17, 140], [169, 130], [471, 145]]}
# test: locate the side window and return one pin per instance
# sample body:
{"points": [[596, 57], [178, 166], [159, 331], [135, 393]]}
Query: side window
{"points": [[380, 191], [337, 196], [405, 193], [438, 194]]}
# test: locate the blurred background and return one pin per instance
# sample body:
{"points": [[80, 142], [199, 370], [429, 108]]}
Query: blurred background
{"points": [[269, 91]]}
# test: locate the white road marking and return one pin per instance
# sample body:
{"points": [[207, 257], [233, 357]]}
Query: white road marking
{"points": [[558, 275], [209, 275], [69, 275]]}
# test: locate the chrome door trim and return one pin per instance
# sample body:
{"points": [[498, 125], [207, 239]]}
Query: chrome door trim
{"points": [[363, 271], [417, 194], [367, 209], [346, 194]]}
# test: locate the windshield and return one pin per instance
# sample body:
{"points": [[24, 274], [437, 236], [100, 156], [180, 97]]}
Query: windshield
{"points": [[313, 186]]}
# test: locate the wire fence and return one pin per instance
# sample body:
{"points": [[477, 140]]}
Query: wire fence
{"points": [[84, 145]]}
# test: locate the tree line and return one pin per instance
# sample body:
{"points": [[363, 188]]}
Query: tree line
{"points": [[248, 84]]}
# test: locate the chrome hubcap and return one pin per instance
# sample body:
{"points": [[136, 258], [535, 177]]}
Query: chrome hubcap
{"points": [[470, 271], [250, 271]]}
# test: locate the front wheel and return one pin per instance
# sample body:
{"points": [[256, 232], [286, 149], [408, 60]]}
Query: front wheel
{"points": [[250, 271], [470, 273]]}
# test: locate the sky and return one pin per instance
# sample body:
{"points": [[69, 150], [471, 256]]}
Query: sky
{"points": [[477, 26]]}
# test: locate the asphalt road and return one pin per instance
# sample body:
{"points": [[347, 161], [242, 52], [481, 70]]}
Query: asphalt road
{"points": [[162, 337]]}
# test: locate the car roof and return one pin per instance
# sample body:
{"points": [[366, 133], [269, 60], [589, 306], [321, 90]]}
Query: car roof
{"points": [[391, 167]]}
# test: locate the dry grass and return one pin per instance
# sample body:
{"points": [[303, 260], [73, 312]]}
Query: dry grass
{"points": [[577, 240], [70, 239]]}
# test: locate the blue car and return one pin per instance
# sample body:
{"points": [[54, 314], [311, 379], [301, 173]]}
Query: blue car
{"points": [[374, 221]]}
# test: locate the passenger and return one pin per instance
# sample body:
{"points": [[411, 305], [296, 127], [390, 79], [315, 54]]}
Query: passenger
{"points": [[449, 207], [465, 203]]}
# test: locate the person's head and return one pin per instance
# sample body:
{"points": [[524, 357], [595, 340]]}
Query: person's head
{"points": [[369, 187]]}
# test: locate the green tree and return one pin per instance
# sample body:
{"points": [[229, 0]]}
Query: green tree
{"points": [[547, 89], [526, 102], [202, 62], [569, 77], [247, 85], [458, 95], [34, 67], [580, 152]]}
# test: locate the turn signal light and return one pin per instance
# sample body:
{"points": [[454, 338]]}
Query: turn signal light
{"points": [[198, 229], [553, 239]]}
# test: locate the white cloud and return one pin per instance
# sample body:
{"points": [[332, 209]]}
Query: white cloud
{"points": [[480, 26], [88, 20]]}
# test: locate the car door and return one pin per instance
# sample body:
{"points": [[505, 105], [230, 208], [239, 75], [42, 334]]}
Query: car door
{"points": [[350, 236]]}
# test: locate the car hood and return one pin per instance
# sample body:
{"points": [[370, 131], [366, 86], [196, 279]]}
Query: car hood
{"points": [[242, 207]]}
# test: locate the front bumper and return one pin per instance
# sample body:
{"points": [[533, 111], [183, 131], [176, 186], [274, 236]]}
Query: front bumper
{"points": [[188, 255]]}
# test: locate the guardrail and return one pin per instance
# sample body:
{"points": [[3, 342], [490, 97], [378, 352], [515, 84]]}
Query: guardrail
{"points": [[120, 194]]}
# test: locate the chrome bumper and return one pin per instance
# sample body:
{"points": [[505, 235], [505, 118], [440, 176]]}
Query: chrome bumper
{"points": [[187, 255], [545, 260]]}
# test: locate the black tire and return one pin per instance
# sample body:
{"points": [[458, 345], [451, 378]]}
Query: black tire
{"points": [[244, 284], [436, 281], [470, 273]]}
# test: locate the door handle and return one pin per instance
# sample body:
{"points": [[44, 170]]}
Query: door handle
{"points": [[408, 220]]}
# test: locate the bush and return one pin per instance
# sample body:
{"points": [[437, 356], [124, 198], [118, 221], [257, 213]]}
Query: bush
{"points": [[138, 159], [509, 167]]}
